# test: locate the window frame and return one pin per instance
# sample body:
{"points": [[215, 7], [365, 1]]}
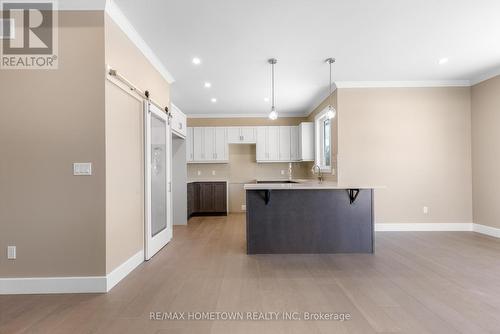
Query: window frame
{"points": [[319, 142]]}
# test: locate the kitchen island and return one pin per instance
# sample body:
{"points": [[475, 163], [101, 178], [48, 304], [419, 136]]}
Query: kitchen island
{"points": [[308, 217]]}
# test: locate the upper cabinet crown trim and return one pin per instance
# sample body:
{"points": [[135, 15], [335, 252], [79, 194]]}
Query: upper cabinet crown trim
{"points": [[121, 20]]}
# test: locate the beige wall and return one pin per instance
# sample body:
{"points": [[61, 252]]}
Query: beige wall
{"points": [[414, 141], [486, 152], [124, 146], [242, 167], [48, 120]]}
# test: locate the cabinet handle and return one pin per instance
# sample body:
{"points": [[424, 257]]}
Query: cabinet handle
{"points": [[180, 126], [215, 155]]}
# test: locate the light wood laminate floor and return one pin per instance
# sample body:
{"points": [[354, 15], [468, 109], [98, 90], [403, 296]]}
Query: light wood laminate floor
{"points": [[417, 282]]}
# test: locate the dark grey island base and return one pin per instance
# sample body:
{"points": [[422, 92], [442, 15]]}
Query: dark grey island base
{"points": [[309, 221]]}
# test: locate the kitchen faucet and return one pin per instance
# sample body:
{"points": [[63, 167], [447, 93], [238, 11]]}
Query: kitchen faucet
{"points": [[320, 173], [290, 171]]}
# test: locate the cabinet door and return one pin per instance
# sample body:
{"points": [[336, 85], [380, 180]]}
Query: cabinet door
{"points": [[233, 135], [306, 140], [220, 197], [189, 145], [178, 121], [220, 144], [206, 197], [247, 135], [261, 146], [198, 144], [209, 144], [190, 199], [273, 139], [294, 143], [284, 143]]}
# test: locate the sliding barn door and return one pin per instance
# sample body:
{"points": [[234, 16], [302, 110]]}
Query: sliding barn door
{"points": [[158, 208]]}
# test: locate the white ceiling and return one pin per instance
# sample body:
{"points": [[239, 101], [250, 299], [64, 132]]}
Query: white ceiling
{"points": [[372, 40]]}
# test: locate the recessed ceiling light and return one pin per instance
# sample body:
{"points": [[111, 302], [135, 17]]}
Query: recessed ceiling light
{"points": [[196, 61], [266, 99], [207, 85], [443, 61], [213, 99]]}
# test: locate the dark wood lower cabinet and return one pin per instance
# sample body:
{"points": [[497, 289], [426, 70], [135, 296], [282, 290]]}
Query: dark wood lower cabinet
{"points": [[207, 198]]}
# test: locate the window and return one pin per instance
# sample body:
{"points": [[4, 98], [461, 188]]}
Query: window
{"points": [[323, 147]]}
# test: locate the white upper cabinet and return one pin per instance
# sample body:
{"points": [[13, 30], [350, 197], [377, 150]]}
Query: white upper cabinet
{"points": [[220, 146], [277, 143], [294, 143], [273, 143], [241, 135], [209, 144], [306, 141], [198, 147], [248, 135], [261, 148], [178, 122], [189, 145], [284, 143]]}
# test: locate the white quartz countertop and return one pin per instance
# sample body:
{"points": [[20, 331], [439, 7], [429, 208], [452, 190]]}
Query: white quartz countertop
{"points": [[305, 184]]}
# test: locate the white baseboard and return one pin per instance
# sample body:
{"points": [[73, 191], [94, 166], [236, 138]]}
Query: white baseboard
{"points": [[35, 285], [89, 284], [423, 227], [124, 269], [488, 230]]}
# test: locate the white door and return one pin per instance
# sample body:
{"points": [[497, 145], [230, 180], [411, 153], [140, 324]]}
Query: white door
{"points": [[198, 144], [261, 143], [209, 144], [220, 144], [284, 146], [273, 140], [189, 145], [158, 208]]}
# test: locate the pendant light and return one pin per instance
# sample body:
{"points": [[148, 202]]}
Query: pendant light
{"points": [[273, 114], [331, 113]]}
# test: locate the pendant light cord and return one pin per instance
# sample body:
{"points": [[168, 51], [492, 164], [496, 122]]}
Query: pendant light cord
{"points": [[330, 61], [272, 84]]}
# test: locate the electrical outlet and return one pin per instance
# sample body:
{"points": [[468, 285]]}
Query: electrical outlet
{"points": [[213, 172], [282, 172], [11, 252], [425, 209], [243, 207], [199, 172]]}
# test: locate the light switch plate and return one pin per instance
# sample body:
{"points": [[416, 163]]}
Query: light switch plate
{"points": [[243, 207], [213, 172], [82, 168], [11, 252]]}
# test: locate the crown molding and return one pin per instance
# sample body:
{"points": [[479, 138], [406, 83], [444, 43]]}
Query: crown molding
{"points": [[121, 20], [282, 115], [486, 76], [403, 84]]}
